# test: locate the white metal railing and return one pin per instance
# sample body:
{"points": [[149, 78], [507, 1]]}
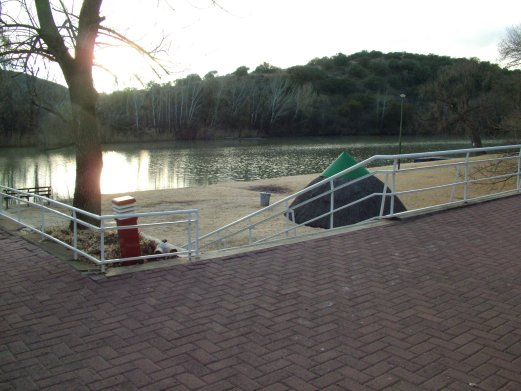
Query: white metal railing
{"points": [[274, 222], [52, 211], [468, 168]]}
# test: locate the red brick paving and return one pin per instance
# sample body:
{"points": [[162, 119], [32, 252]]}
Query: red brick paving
{"points": [[425, 304]]}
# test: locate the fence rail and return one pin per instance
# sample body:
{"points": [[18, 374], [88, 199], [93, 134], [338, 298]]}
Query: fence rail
{"points": [[52, 213], [456, 180], [469, 167]]}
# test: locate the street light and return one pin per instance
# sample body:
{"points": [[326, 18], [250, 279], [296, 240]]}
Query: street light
{"points": [[401, 123]]}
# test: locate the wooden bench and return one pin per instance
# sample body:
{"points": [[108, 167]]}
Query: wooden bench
{"points": [[39, 190]]}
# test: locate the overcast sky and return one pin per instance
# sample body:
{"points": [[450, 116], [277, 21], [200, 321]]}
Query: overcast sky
{"points": [[284, 33]]}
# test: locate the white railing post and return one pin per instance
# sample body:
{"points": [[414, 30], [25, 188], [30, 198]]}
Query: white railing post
{"points": [[42, 222], [197, 233], [19, 209], [102, 242], [393, 186], [453, 189], [384, 195], [189, 233], [332, 204], [250, 231], [466, 178], [75, 234], [519, 172], [287, 219]]}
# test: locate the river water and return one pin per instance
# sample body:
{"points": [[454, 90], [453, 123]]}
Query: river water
{"points": [[132, 167]]}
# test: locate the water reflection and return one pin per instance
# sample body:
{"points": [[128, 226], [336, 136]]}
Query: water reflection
{"points": [[130, 168], [26, 167], [124, 172]]}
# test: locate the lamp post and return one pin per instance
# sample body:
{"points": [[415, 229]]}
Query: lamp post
{"points": [[402, 96]]}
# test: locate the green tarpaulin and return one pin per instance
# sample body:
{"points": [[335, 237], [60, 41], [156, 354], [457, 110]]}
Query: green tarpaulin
{"points": [[343, 161]]}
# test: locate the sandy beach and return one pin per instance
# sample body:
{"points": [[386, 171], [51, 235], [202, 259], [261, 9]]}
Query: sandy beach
{"points": [[224, 203], [218, 204]]}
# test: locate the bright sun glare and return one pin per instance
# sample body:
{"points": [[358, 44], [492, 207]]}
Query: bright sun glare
{"points": [[118, 67], [121, 173]]}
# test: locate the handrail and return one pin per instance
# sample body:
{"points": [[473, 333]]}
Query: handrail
{"points": [[271, 213], [217, 236], [364, 163], [56, 208], [446, 152]]}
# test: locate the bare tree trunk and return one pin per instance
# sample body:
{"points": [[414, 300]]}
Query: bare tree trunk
{"points": [[89, 158], [281, 94], [475, 138], [195, 101], [217, 104], [78, 75], [136, 109]]}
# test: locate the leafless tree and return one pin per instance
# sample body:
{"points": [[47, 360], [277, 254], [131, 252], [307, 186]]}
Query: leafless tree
{"points": [[461, 100], [510, 50], [510, 47], [280, 96], [51, 31]]}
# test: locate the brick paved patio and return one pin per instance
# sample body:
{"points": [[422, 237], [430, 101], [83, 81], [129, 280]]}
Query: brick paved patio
{"points": [[426, 304]]}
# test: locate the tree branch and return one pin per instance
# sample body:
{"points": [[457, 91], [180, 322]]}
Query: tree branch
{"points": [[50, 110], [113, 34], [69, 43], [88, 27], [51, 36], [510, 47]]}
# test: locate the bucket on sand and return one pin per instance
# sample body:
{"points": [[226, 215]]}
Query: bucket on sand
{"points": [[264, 198]]}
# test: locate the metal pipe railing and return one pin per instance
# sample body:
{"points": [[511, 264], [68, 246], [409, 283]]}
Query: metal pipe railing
{"points": [[392, 193], [56, 208], [252, 222]]}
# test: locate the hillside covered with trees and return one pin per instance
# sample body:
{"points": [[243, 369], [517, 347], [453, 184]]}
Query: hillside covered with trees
{"points": [[32, 111], [356, 94]]}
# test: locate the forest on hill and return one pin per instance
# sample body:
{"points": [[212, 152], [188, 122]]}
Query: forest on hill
{"points": [[357, 94]]}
